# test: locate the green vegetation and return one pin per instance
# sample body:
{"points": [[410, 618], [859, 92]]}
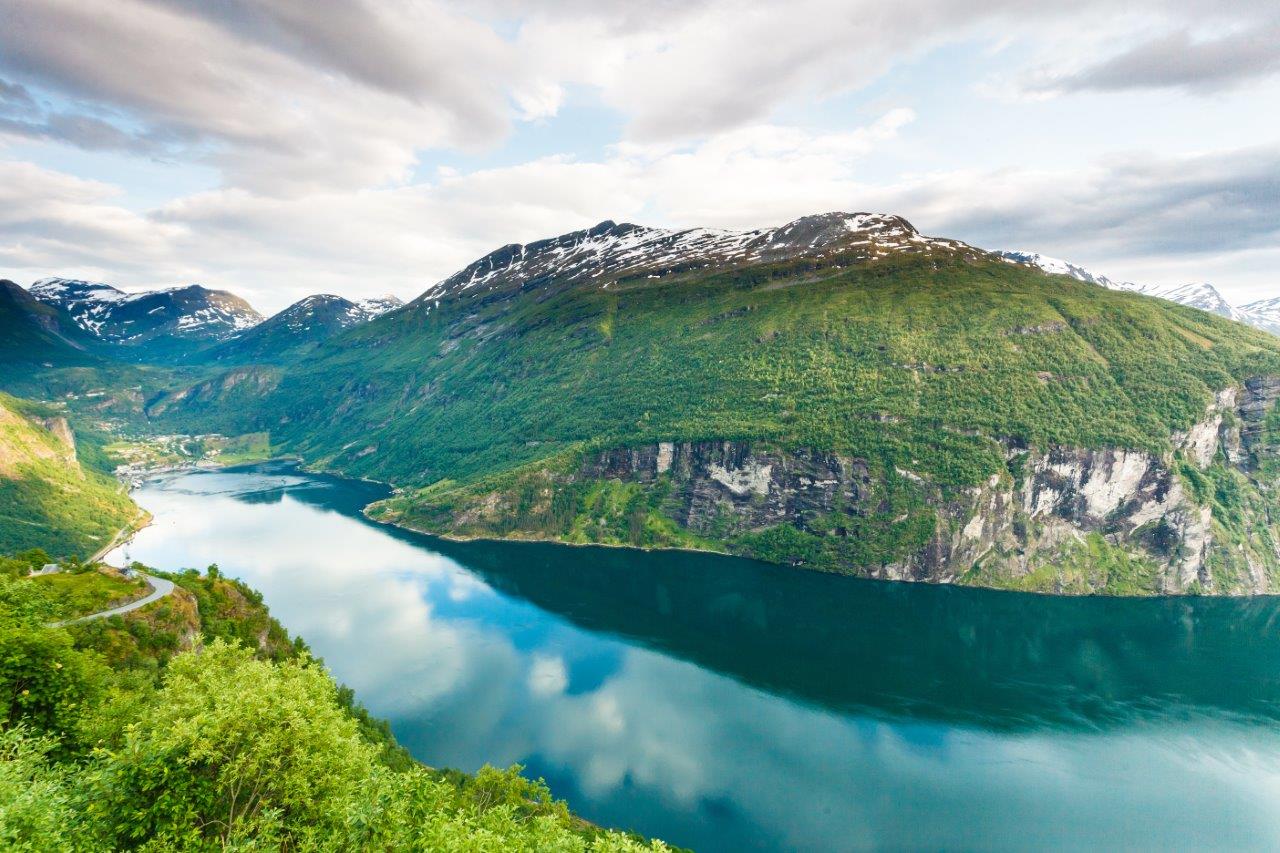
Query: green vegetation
{"points": [[1091, 565], [902, 359], [184, 728], [1241, 523], [483, 407], [80, 593], [47, 497]]}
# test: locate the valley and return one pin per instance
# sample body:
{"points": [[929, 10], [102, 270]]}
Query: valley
{"points": [[840, 393]]}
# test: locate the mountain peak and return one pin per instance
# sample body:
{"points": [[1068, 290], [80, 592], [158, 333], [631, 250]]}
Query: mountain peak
{"points": [[176, 318], [609, 251]]}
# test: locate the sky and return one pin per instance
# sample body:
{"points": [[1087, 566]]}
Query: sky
{"points": [[279, 148]]}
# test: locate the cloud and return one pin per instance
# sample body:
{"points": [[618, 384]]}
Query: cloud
{"points": [[53, 220], [364, 242], [1122, 206], [280, 97], [288, 97], [1195, 214], [1177, 60]]}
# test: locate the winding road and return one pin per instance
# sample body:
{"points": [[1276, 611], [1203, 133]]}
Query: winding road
{"points": [[159, 589]]}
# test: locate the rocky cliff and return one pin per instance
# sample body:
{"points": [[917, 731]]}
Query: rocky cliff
{"points": [[1197, 518]]}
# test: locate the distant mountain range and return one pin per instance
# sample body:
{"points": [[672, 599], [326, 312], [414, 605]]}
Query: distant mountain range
{"points": [[302, 325], [184, 323], [1263, 314]]}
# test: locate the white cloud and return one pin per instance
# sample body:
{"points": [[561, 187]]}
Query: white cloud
{"points": [[316, 114], [279, 96], [1184, 217]]}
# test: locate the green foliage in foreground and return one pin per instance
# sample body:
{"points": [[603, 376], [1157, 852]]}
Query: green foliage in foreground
{"points": [[228, 750]]}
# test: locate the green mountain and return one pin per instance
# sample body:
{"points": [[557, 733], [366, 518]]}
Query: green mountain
{"points": [[36, 335], [48, 499], [841, 392]]}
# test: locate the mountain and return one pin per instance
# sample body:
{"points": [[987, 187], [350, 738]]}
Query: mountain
{"points": [[1057, 266], [297, 329], [1263, 314], [610, 252], [152, 325], [49, 499], [841, 393], [1203, 296], [33, 333], [378, 305]]}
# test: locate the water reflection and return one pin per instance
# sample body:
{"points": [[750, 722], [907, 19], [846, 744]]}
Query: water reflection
{"points": [[727, 705]]}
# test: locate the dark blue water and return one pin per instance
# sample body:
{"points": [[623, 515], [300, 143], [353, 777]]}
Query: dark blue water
{"points": [[724, 704]]}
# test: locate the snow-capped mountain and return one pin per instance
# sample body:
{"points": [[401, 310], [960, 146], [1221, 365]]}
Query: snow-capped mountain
{"points": [[1058, 266], [175, 319], [1203, 296], [303, 324], [1264, 314], [378, 306], [610, 252], [32, 332]]}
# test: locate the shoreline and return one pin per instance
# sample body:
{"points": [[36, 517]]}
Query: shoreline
{"points": [[123, 535], [462, 539], [453, 537]]}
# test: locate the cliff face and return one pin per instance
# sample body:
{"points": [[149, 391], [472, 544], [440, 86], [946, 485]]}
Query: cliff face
{"points": [[1061, 519], [1197, 518]]}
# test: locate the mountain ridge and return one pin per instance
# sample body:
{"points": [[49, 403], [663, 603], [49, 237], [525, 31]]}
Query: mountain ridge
{"points": [[155, 323], [1200, 295], [297, 328], [610, 251], [839, 392]]}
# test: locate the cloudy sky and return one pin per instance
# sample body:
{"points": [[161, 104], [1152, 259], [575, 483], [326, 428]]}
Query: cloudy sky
{"points": [[284, 147]]}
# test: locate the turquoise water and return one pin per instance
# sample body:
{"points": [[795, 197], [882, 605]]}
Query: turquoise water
{"points": [[724, 704]]}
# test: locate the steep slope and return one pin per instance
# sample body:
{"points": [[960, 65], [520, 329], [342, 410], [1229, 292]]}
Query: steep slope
{"points": [[153, 325], [297, 329], [47, 498], [32, 333], [842, 393]]}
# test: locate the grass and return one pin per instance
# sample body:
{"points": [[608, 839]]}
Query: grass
{"points": [[82, 593]]}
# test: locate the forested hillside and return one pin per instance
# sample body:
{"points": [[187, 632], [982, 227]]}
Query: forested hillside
{"points": [[840, 392], [48, 499], [928, 384], [195, 724]]}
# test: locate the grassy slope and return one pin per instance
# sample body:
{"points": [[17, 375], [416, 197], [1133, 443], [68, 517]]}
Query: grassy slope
{"points": [[47, 498], [910, 362], [900, 359]]}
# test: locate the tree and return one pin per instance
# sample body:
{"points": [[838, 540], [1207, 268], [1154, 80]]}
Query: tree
{"points": [[37, 810], [45, 682], [232, 749]]}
